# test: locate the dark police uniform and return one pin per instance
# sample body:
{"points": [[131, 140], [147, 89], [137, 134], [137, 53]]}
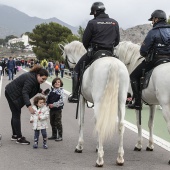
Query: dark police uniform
{"points": [[157, 42], [101, 33]]}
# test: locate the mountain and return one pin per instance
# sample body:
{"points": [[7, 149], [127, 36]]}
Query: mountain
{"points": [[15, 22], [135, 34]]}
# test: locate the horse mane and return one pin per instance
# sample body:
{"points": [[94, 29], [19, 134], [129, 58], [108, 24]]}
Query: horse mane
{"points": [[75, 49], [129, 54]]}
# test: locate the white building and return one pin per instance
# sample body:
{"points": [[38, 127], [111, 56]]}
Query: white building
{"points": [[24, 38]]}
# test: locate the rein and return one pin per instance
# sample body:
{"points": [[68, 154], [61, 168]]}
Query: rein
{"points": [[67, 61]]}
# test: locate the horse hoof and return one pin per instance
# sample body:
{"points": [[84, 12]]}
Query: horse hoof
{"points": [[137, 149], [78, 151], [96, 150], [169, 162], [119, 164], [99, 165], [149, 149]]}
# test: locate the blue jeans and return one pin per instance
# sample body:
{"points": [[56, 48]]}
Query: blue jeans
{"points": [[11, 74], [37, 133], [50, 72], [62, 73]]}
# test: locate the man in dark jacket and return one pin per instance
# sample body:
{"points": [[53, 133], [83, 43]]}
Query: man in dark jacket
{"points": [[101, 33], [18, 93], [11, 66], [156, 46]]}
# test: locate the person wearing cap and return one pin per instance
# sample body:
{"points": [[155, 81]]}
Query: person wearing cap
{"points": [[154, 47], [101, 33]]}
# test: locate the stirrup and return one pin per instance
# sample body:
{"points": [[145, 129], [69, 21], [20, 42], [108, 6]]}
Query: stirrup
{"points": [[138, 107], [131, 106], [134, 106]]}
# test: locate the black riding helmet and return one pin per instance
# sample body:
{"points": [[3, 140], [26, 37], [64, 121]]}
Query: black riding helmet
{"points": [[158, 14], [98, 7]]}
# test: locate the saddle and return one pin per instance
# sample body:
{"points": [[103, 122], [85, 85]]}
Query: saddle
{"points": [[149, 73], [95, 56], [99, 54]]}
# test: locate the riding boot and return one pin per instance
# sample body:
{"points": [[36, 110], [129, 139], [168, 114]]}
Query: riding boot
{"points": [[73, 98], [137, 103]]}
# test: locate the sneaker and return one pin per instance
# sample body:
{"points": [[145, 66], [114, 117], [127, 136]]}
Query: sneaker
{"points": [[45, 146], [35, 146], [23, 141], [59, 139], [14, 137]]}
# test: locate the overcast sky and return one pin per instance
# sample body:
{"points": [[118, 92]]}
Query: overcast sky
{"points": [[128, 13]]}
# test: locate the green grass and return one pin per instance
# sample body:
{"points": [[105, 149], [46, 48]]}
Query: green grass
{"points": [[160, 126]]}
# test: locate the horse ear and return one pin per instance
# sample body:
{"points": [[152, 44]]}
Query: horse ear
{"points": [[61, 47]]}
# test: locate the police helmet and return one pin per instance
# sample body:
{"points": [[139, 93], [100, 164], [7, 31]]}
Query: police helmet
{"points": [[98, 7], [158, 14]]}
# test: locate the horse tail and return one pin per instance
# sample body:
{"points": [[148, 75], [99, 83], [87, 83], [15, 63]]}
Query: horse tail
{"points": [[107, 113]]}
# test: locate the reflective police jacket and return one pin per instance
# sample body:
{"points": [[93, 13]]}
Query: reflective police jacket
{"points": [[157, 39], [102, 31]]}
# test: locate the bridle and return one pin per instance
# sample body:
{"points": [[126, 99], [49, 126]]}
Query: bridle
{"points": [[67, 61]]}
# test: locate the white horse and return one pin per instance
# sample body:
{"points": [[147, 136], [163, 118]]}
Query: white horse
{"points": [[157, 92], [105, 84]]}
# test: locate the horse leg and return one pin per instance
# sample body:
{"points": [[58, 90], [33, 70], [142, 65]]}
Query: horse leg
{"points": [[138, 146], [150, 146], [121, 128], [166, 114], [79, 147], [100, 161], [97, 147]]}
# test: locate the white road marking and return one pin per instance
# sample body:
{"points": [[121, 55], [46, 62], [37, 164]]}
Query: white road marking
{"points": [[1, 84], [160, 142]]}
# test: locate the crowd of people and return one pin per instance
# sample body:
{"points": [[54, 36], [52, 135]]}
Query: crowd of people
{"points": [[54, 68], [10, 66]]}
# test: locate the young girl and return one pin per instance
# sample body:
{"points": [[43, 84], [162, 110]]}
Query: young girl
{"points": [[39, 120], [55, 102]]}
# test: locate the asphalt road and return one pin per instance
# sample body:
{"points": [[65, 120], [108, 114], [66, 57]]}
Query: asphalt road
{"points": [[61, 156]]}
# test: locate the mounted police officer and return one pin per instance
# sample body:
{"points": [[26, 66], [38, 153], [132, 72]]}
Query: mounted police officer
{"points": [[155, 48], [101, 33]]}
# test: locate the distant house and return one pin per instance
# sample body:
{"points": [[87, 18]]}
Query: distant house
{"points": [[24, 38]]}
